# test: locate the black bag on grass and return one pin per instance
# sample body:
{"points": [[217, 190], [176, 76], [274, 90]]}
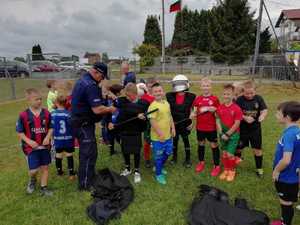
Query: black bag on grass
{"points": [[212, 207], [112, 194]]}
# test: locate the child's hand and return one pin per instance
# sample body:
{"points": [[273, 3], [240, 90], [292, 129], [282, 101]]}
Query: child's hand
{"points": [[111, 126], [275, 176], [212, 109], [141, 116], [225, 137], [161, 138], [46, 141], [112, 109], [173, 131], [204, 109], [249, 119], [261, 118], [33, 144], [192, 115]]}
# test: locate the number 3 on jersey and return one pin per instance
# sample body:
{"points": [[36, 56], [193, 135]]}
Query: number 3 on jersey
{"points": [[62, 129]]}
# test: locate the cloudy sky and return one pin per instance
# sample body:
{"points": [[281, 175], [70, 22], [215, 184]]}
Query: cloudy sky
{"points": [[75, 26]]}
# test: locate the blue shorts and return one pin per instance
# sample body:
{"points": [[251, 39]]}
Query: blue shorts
{"points": [[38, 158], [166, 146]]}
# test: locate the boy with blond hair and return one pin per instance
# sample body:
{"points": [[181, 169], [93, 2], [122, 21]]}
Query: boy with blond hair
{"points": [[34, 130], [205, 107], [254, 113], [162, 131], [230, 116]]}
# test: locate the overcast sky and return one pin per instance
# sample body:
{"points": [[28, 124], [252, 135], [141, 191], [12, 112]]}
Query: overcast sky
{"points": [[75, 26]]}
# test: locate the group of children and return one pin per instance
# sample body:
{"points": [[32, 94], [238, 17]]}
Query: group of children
{"points": [[163, 118]]}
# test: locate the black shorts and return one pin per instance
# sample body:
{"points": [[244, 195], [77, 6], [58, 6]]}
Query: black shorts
{"points": [[211, 136], [287, 192], [67, 150], [253, 138]]}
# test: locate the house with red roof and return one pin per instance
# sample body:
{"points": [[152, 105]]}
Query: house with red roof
{"points": [[289, 25]]}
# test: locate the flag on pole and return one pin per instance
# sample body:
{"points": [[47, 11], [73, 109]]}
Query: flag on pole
{"points": [[176, 6]]}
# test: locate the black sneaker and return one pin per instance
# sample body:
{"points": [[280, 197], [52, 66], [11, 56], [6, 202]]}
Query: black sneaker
{"points": [[187, 164], [46, 192], [148, 164], [31, 186], [60, 173]]}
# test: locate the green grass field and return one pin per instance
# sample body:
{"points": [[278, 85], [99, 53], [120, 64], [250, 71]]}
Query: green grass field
{"points": [[153, 204]]}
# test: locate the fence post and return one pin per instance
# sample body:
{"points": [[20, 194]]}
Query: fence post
{"points": [[11, 79]]}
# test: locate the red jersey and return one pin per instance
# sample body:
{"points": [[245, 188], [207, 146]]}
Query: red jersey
{"points": [[206, 121], [229, 114], [68, 103], [34, 127]]}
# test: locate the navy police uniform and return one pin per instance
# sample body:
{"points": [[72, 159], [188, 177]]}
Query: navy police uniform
{"points": [[86, 95]]}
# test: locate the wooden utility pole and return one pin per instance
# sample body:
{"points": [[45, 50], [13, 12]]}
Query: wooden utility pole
{"points": [[163, 54]]}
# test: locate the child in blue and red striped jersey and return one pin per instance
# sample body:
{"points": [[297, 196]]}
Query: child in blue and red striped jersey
{"points": [[34, 130]]}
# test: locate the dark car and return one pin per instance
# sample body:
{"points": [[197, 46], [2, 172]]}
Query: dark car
{"points": [[44, 66], [14, 68]]}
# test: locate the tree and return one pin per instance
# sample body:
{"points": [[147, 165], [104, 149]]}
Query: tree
{"points": [[37, 53], [147, 54], [265, 41], [152, 33], [105, 58], [231, 30]]}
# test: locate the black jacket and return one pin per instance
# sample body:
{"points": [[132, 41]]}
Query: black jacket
{"points": [[181, 112]]}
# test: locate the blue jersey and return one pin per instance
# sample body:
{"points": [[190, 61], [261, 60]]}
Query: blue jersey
{"points": [[289, 142], [62, 131]]}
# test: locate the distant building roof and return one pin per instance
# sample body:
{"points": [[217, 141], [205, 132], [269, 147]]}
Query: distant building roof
{"points": [[291, 14], [88, 54]]}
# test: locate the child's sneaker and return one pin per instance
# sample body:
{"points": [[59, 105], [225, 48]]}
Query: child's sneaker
{"points": [[215, 171], [276, 222], [137, 177], [230, 176], [260, 173], [60, 172], [125, 172], [223, 175], [46, 192], [161, 179], [200, 167], [31, 186]]}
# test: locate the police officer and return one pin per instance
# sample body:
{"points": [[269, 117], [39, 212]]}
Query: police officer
{"points": [[87, 109]]}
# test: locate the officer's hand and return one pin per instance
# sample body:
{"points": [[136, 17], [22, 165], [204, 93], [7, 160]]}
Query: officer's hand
{"points": [[112, 109], [249, 119], [190, 127]]}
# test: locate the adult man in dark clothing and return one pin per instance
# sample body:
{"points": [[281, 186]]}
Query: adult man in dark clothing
{"points": [[87, 110]]}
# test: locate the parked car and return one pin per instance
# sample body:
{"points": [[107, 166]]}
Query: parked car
{"points": [[44, 66], [68, 65], [14, 68]]}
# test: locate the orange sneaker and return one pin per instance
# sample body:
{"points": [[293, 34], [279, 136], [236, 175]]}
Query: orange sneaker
{"points": [[224, 175], [231, 175], [72, 178], [200, 167]]}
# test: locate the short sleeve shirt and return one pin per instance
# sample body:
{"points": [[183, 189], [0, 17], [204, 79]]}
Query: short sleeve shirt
{"points": [[289, 142], [228, 115], [206, 121], [251, 108], [86, 95], [162, 117]]}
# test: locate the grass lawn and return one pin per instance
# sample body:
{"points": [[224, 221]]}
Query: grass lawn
{"points": [[153, 204]]}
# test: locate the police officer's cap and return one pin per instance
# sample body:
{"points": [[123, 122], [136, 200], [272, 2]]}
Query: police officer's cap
{"points": [[101, 68]]}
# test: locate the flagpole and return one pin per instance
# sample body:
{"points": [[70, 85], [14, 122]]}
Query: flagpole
{"points": [[163, 38]]}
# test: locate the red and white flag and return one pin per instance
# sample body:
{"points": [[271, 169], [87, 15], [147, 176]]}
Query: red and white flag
{"points": [[176, 6]]}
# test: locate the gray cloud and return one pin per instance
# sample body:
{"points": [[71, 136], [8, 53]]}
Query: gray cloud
{"points": [[76, 26]]}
